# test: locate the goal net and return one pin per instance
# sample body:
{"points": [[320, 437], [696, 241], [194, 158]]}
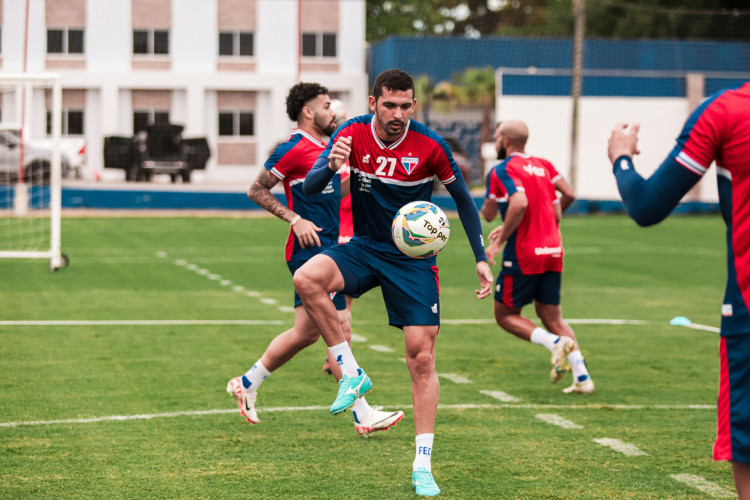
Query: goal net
{"points": [[30, 170]]}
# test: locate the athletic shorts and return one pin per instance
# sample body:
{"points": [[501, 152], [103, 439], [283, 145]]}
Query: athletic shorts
{"points": [[733, 429], [517, 290], [410, 287], [338, 298]]}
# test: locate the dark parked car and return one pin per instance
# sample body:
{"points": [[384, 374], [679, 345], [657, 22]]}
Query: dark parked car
{"points": [[161, 150]]}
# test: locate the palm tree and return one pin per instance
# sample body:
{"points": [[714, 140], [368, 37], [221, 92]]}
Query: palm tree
{"points": [[476, 87], [424, 88]]}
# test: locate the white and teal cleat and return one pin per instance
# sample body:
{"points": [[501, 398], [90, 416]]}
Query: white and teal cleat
{"points": [[423, 483], [351, 388]]}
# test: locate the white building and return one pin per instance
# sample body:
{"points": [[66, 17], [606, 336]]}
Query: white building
{"points": [[221, 68]]}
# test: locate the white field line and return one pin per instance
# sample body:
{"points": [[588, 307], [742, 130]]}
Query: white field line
{"points": [[617, 445], [224, 282], [380, 348], [455, 378], [557, 420], [192, 413], [502, 396], [155, 322], [251, 293], [703, 327], [358, 338], [703, 485]]}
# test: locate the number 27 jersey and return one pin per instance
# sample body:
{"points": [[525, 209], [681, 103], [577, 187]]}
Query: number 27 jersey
{"points": [[385, 177]]}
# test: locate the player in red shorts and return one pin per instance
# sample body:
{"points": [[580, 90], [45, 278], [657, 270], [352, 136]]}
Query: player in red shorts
{"points": [[718, 130], [532, 261]]}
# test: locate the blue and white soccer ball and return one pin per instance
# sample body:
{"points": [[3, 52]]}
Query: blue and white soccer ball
{"points": [[420, 229]]}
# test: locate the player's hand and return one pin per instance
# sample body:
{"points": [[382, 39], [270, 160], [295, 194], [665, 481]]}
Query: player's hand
{"points": [[340, 152], [492, 251], [307, 233], [623, 141], [485, 280]]}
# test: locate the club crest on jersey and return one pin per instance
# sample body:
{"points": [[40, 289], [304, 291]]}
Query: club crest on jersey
{"points": [[409, 163]]}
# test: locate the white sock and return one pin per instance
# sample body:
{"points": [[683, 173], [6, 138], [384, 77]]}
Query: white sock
{"points": [[342, 353], [580, 373], [360, 410], [255, 376], [544, 338], [424, 452]]}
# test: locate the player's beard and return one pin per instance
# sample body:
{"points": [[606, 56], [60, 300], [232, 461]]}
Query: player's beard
{"points": [[393, 127], [328, 129], [502, 153]]}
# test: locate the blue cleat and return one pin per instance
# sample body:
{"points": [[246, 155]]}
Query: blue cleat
{"points": [[423, 483], [351, 388]]}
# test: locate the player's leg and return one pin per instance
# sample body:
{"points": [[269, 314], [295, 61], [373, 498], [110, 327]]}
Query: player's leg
{"points": [[741, 473], [512, 292], [547, 304], [425, 394], [280, 350], [314, 281], [367, 420]]}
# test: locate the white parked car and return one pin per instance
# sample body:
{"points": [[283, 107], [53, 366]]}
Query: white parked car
{"points": [[37, 162], [72, 150]]}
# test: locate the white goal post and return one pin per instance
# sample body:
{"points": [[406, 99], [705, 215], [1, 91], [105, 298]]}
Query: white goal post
{"points": [[30, 176]]}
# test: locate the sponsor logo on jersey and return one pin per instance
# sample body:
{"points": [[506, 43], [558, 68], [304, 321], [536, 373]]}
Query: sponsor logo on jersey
{"points": [[726, 310], [547, 250], [533, 170], [624, 165], [366, 159], [434, 308], [409, 163]]}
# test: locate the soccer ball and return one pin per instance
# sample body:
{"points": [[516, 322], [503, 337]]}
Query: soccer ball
{"points": [[420, 229]]}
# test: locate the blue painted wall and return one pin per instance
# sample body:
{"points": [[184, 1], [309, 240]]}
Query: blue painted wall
{"points": [[442, 58]]}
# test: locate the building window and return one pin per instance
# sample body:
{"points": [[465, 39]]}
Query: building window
{"points": [[142, 119], [236, 123], [236, 43], [150, 42], [319, 44], [72, 122], [64, 41]]}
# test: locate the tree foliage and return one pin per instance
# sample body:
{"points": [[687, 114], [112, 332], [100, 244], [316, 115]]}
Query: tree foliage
{"points": [[681, 19]]}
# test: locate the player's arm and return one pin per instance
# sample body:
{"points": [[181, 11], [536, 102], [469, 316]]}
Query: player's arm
{"points": [[260, 193], [467, 212], [489, 207], [346, 186], [327, 164], [646, 201], [517, 205], [567, 195]]}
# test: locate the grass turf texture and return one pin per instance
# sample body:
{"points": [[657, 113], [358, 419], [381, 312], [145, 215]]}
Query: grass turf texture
{"points": [[135, 269]]}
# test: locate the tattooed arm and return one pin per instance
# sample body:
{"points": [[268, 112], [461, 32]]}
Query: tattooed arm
{"points": [[260, 193]]}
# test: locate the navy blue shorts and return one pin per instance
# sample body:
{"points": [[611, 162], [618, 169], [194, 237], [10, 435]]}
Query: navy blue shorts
{"points": [[338, 298], [517, 290], [733, 416], [410, 287]]}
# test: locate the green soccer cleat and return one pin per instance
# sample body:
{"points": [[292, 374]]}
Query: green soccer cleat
{"points": [[351, 388], [423, 483], [559, 360]]}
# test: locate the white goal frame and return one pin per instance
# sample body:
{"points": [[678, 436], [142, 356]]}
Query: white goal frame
{"points": [[54, 254]]}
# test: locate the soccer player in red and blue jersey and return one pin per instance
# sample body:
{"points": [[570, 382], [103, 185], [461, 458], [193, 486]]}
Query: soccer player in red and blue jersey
{"points": [[532, 261], [314, 221], [394, 160], [718, 130]]}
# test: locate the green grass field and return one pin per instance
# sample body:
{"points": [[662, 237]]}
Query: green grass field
{"points": [[113, 372]]}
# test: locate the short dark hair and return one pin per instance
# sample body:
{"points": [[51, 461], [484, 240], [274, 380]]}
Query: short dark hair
{"points": [[300, 95], [392, 79]]}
